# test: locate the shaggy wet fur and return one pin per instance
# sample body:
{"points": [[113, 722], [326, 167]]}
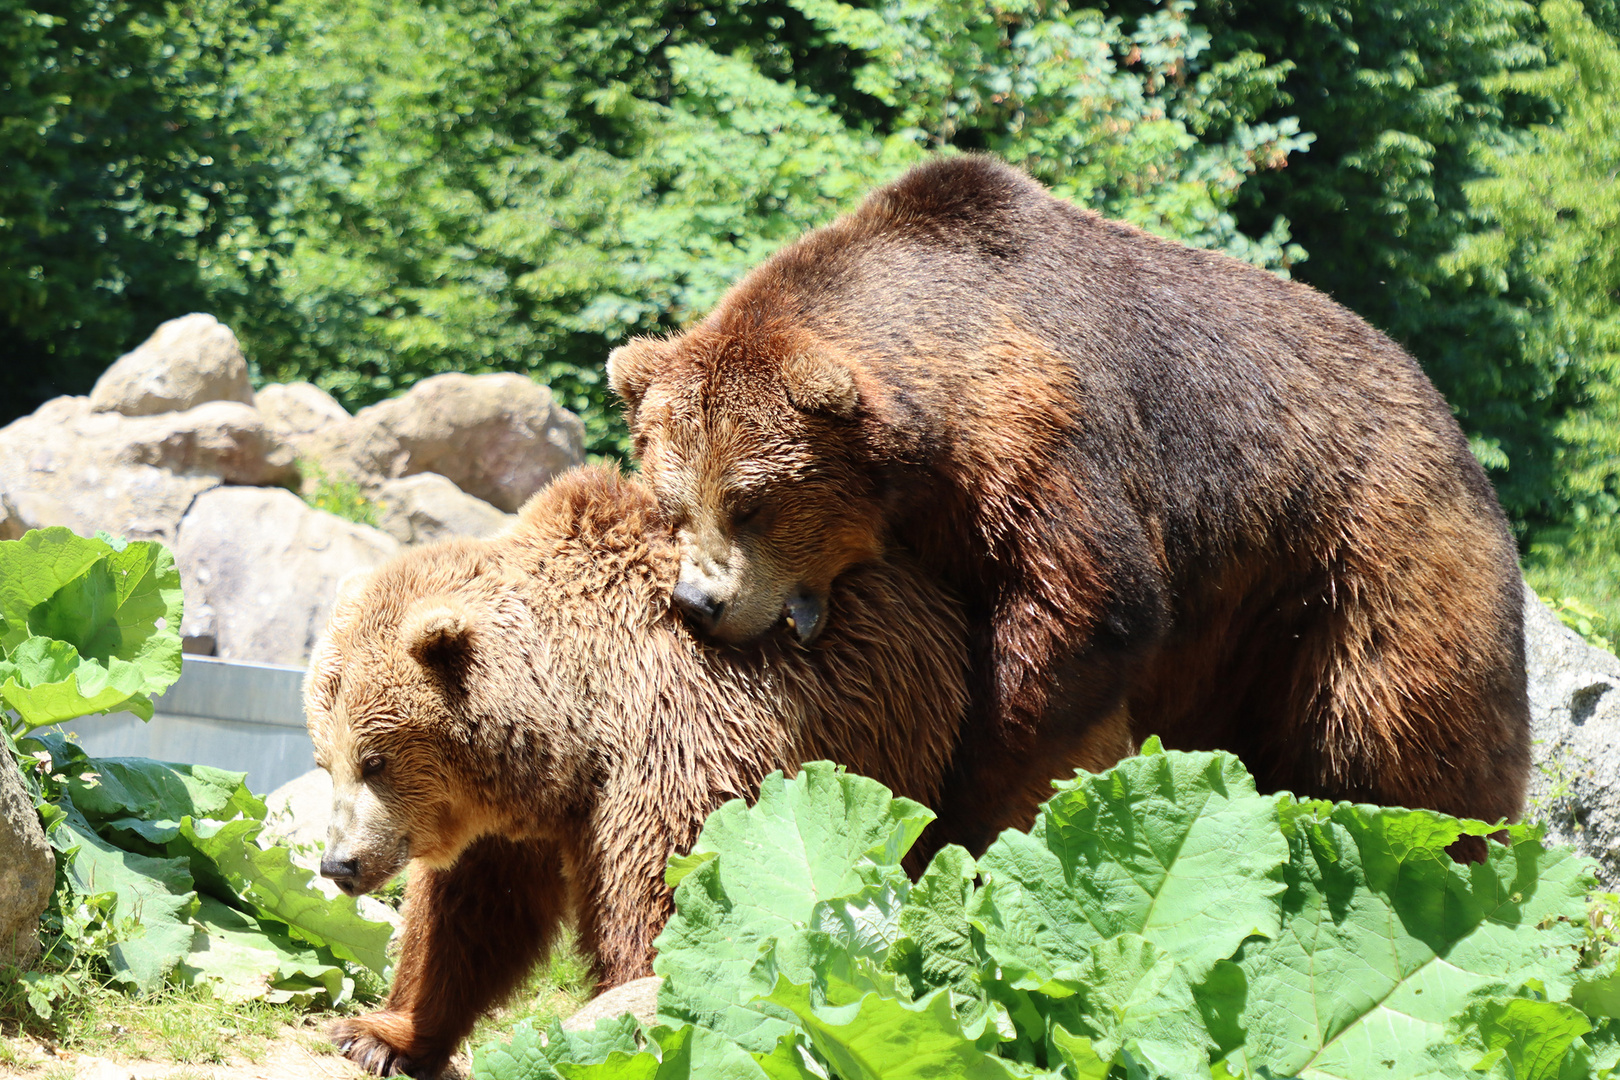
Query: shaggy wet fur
{"points": [[1178, 495], [526, 715]]}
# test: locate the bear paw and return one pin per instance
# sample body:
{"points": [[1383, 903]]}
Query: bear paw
{"points": [[362, 1042]]}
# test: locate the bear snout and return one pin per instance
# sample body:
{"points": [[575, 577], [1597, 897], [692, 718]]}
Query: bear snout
{"points": [[344, 872], [698, 607]]}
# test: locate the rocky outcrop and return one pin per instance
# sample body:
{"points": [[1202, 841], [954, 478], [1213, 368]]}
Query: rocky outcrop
{"points": [[427, 507], [299, 413], [1575, 722], [268, 566], [27, 869], [499, 438], [185, 362], [172, 437], [133, 476]]}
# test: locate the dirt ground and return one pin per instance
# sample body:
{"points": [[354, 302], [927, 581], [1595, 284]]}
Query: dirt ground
{"points": [[294, 1054]]}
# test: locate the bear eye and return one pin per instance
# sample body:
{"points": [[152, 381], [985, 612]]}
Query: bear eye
{"points": [[372, 765], [747, 510]]}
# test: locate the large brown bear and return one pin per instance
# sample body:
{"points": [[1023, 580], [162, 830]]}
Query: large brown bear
{"points": [[1178, 495], [525, 720]]}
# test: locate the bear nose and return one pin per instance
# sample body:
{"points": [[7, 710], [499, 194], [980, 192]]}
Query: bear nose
{"points": [[341, 871], [700, 609]]}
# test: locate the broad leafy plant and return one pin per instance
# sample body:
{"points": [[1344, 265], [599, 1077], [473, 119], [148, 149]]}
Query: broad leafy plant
{"points": [[161, 879], [1162, 919]]}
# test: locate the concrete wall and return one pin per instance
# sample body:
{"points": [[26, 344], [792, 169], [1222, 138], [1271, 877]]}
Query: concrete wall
{"points": [[226, 713]]}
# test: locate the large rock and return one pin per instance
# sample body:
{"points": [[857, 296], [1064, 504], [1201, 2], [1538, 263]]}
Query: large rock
{"points": [[62, 466], [1575, 722], [499, 437], [185, 362], [298, 412], [67, 464], [224, 439], [639, 997], [268, 566], [427, 507], [27, 869]]}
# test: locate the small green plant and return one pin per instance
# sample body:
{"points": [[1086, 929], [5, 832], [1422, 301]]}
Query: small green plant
{"points": [[1161, 921], [1584, 619], [336, 494]]}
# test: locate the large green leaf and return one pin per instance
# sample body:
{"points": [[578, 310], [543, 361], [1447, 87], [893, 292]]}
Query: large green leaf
{"points": [[1521, 1039], [47, 682], [278, 889], [684, 1053], [154, 900], [534, 1055], [243, 958], [1137, 1003], [1385, 940], [1136, 850], [126, 606], [33, 568], [879, 1038], [822, 836], [143, 793], [935, 947]]}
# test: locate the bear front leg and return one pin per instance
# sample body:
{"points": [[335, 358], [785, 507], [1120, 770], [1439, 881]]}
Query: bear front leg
{"points": [[472, 933]]}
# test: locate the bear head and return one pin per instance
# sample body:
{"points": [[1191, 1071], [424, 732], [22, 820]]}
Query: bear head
{"points": [[749, 433], [409, 699]]}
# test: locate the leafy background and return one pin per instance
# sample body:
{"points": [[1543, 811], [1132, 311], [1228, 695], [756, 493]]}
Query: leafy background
{"points": [[373, 192]]}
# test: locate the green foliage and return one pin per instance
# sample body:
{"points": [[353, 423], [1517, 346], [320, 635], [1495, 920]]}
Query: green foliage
{"points": [[86, 626], [517, 187], [1552, 204], [1160, 920], [160, 871], [160, 877], [128, 168], [1583, 619]]}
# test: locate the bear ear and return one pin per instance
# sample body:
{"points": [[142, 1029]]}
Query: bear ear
{"points": [[816, 384], [631, 368], [438, 635]]}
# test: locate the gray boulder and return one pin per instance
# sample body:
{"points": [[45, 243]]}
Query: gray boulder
{"points": [[223, 439], [268, 565], [298, 412], [67, 464], [27, 869], [497, 437], [427, 507], [62, 465], [185, 362], [1575, 722], [639, 997]]}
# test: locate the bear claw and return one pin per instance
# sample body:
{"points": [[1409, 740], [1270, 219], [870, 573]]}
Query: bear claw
{"points": [[361, 1046]]}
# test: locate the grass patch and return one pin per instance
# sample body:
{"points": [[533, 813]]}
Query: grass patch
{"points": [[186, 1026], [552, 992], [336, 494]]}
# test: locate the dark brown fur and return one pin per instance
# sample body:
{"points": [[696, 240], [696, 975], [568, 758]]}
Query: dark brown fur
{"points": [[1179, 496], [545, 733]]}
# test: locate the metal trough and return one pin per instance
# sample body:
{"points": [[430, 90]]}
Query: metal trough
{"points": [[227, 713]]}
